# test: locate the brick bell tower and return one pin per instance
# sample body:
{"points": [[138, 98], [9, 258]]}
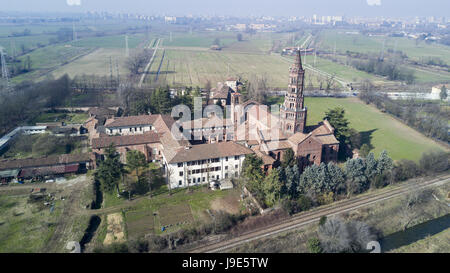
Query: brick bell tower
{"points": [[293, 111]]}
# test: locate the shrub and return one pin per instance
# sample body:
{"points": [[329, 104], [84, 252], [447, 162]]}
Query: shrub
{"points": [[314, 245]]}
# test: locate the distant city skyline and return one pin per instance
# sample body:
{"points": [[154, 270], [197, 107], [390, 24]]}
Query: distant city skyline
{"points": [[373, 8]]}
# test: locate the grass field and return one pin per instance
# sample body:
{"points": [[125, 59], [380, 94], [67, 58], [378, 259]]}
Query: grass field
{"points": [[25, 227], [365, 44], [95, 63], [381, 130], [114, 41], [415, 51]]}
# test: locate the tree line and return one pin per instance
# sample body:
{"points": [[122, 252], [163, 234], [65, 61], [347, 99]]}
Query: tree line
{"points": [[427, 117], [29, 98], [325, 183]]}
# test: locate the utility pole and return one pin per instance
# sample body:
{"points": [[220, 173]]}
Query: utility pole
{"points": [[74, 33], [382, 51], [5, 75], [315, 57], [127, 52], [118, 75], [111, 70]]}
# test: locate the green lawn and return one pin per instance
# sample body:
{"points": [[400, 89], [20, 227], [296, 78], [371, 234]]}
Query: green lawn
{"points": [[381, 130]]}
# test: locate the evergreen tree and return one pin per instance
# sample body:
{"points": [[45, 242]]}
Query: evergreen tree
{"points": [[337, 177], [292, 177], [371, 166], [356, 178], [443, 94], [272, 187], [385, 163], [110, 170], [288, 159]]}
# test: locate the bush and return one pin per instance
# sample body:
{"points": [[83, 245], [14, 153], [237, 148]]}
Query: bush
{"points": [[139, 246], [434, 162], [156, 243], [405, 169], [304, 203], [113, 248], [314, 245], [223, 222]]}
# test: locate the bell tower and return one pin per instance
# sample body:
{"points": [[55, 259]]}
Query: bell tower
{"points": [[293, 111]]}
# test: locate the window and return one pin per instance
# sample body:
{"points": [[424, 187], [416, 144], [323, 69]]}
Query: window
{"points": [[179, 182], [181, 173], [236, 166], [203, 179], [226, 167], [226, 158], [180, 165], [198, 180], [226, 175], [218, 177], [189, 181], [236, 157]]}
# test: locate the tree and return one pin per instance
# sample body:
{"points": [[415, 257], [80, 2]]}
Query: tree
{"points": [[371, 166], [336, 118], [135, 161], [443, 94], [412, 206], [289, 159], [272, 187], [334, 235], [385, 163], [364, 151], [292, 177], [110, 170], [137, 60], [357, 181], [434, 162], [216, 42], [314, 245], [239, 37]]}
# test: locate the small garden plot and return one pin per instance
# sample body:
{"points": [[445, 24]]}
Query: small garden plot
{"points": [[114, 232], [139, 223], [174, 215]]}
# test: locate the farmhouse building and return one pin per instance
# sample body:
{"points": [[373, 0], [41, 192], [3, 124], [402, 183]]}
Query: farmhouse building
{"points": [[214, 148], [199, 164]]}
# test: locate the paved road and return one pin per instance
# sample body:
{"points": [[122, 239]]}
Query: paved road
{"points": [[147, 68], [306, 218]]}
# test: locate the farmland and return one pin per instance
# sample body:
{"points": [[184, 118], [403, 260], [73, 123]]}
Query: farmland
{"points": [[419, 52]]}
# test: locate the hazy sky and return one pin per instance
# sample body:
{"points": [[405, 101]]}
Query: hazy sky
{"points": [[240, 7]]}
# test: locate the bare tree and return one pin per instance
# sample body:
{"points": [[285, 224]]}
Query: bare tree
{"points": [[137, 60], [412, 206], [334, 235]]}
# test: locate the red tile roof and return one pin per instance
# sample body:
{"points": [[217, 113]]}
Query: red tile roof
{"points": [[132, 121], [103, 142], [209, 151], [45, 161]]}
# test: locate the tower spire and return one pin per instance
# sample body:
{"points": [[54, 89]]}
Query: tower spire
{"points": [[298, 59]]}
